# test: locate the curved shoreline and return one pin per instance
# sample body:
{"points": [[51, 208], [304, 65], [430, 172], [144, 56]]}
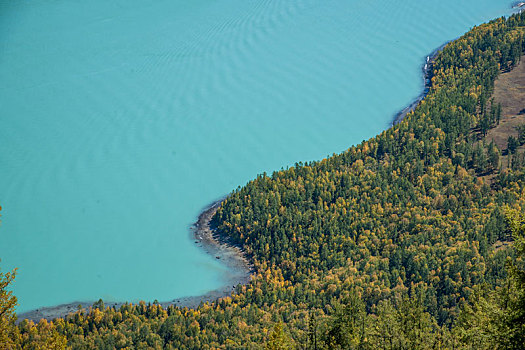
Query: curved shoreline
{"points": [[239, 272], [239, 269], [427, 67]]}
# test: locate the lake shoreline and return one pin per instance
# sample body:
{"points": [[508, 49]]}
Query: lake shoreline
{"points": [[239, 272], [203, 233], [427, 67]]}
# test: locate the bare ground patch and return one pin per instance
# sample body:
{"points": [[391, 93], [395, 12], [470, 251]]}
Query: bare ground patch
{"points": [[509, 90]]}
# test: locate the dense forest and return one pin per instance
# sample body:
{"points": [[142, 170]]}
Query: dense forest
{"points": [[414, 239]]}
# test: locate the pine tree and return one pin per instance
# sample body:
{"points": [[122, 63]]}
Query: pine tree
{"points": [[493, 155], [512, 145]]}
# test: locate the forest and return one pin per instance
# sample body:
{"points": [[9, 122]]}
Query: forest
{"points": [[414, 239]]}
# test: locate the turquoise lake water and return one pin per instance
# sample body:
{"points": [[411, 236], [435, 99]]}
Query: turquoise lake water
{"points": [[121, 120]]}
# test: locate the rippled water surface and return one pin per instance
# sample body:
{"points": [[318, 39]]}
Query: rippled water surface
{"points": [[121, 120]]}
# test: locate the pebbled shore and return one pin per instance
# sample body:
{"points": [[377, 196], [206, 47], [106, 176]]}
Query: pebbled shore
{"points": [[239, 269], [427, 77], [239, 272]]}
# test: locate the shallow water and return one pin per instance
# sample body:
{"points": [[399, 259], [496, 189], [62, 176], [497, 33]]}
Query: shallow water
{"points": [[121, 120]]}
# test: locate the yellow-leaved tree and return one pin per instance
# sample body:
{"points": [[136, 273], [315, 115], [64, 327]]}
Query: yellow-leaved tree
{"points": [[8, 330]]}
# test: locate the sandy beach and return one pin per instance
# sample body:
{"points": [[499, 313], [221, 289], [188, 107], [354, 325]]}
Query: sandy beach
{"points": [[239, 272]]}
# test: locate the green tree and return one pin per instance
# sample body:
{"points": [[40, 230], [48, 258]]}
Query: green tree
{"points": [[493, 156], [278, 339], [496, 319], [416, 329], [312, 341], [484, 125], [513, 297], [348, 326], [512, 144], [498, 113], [521, 134]]}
